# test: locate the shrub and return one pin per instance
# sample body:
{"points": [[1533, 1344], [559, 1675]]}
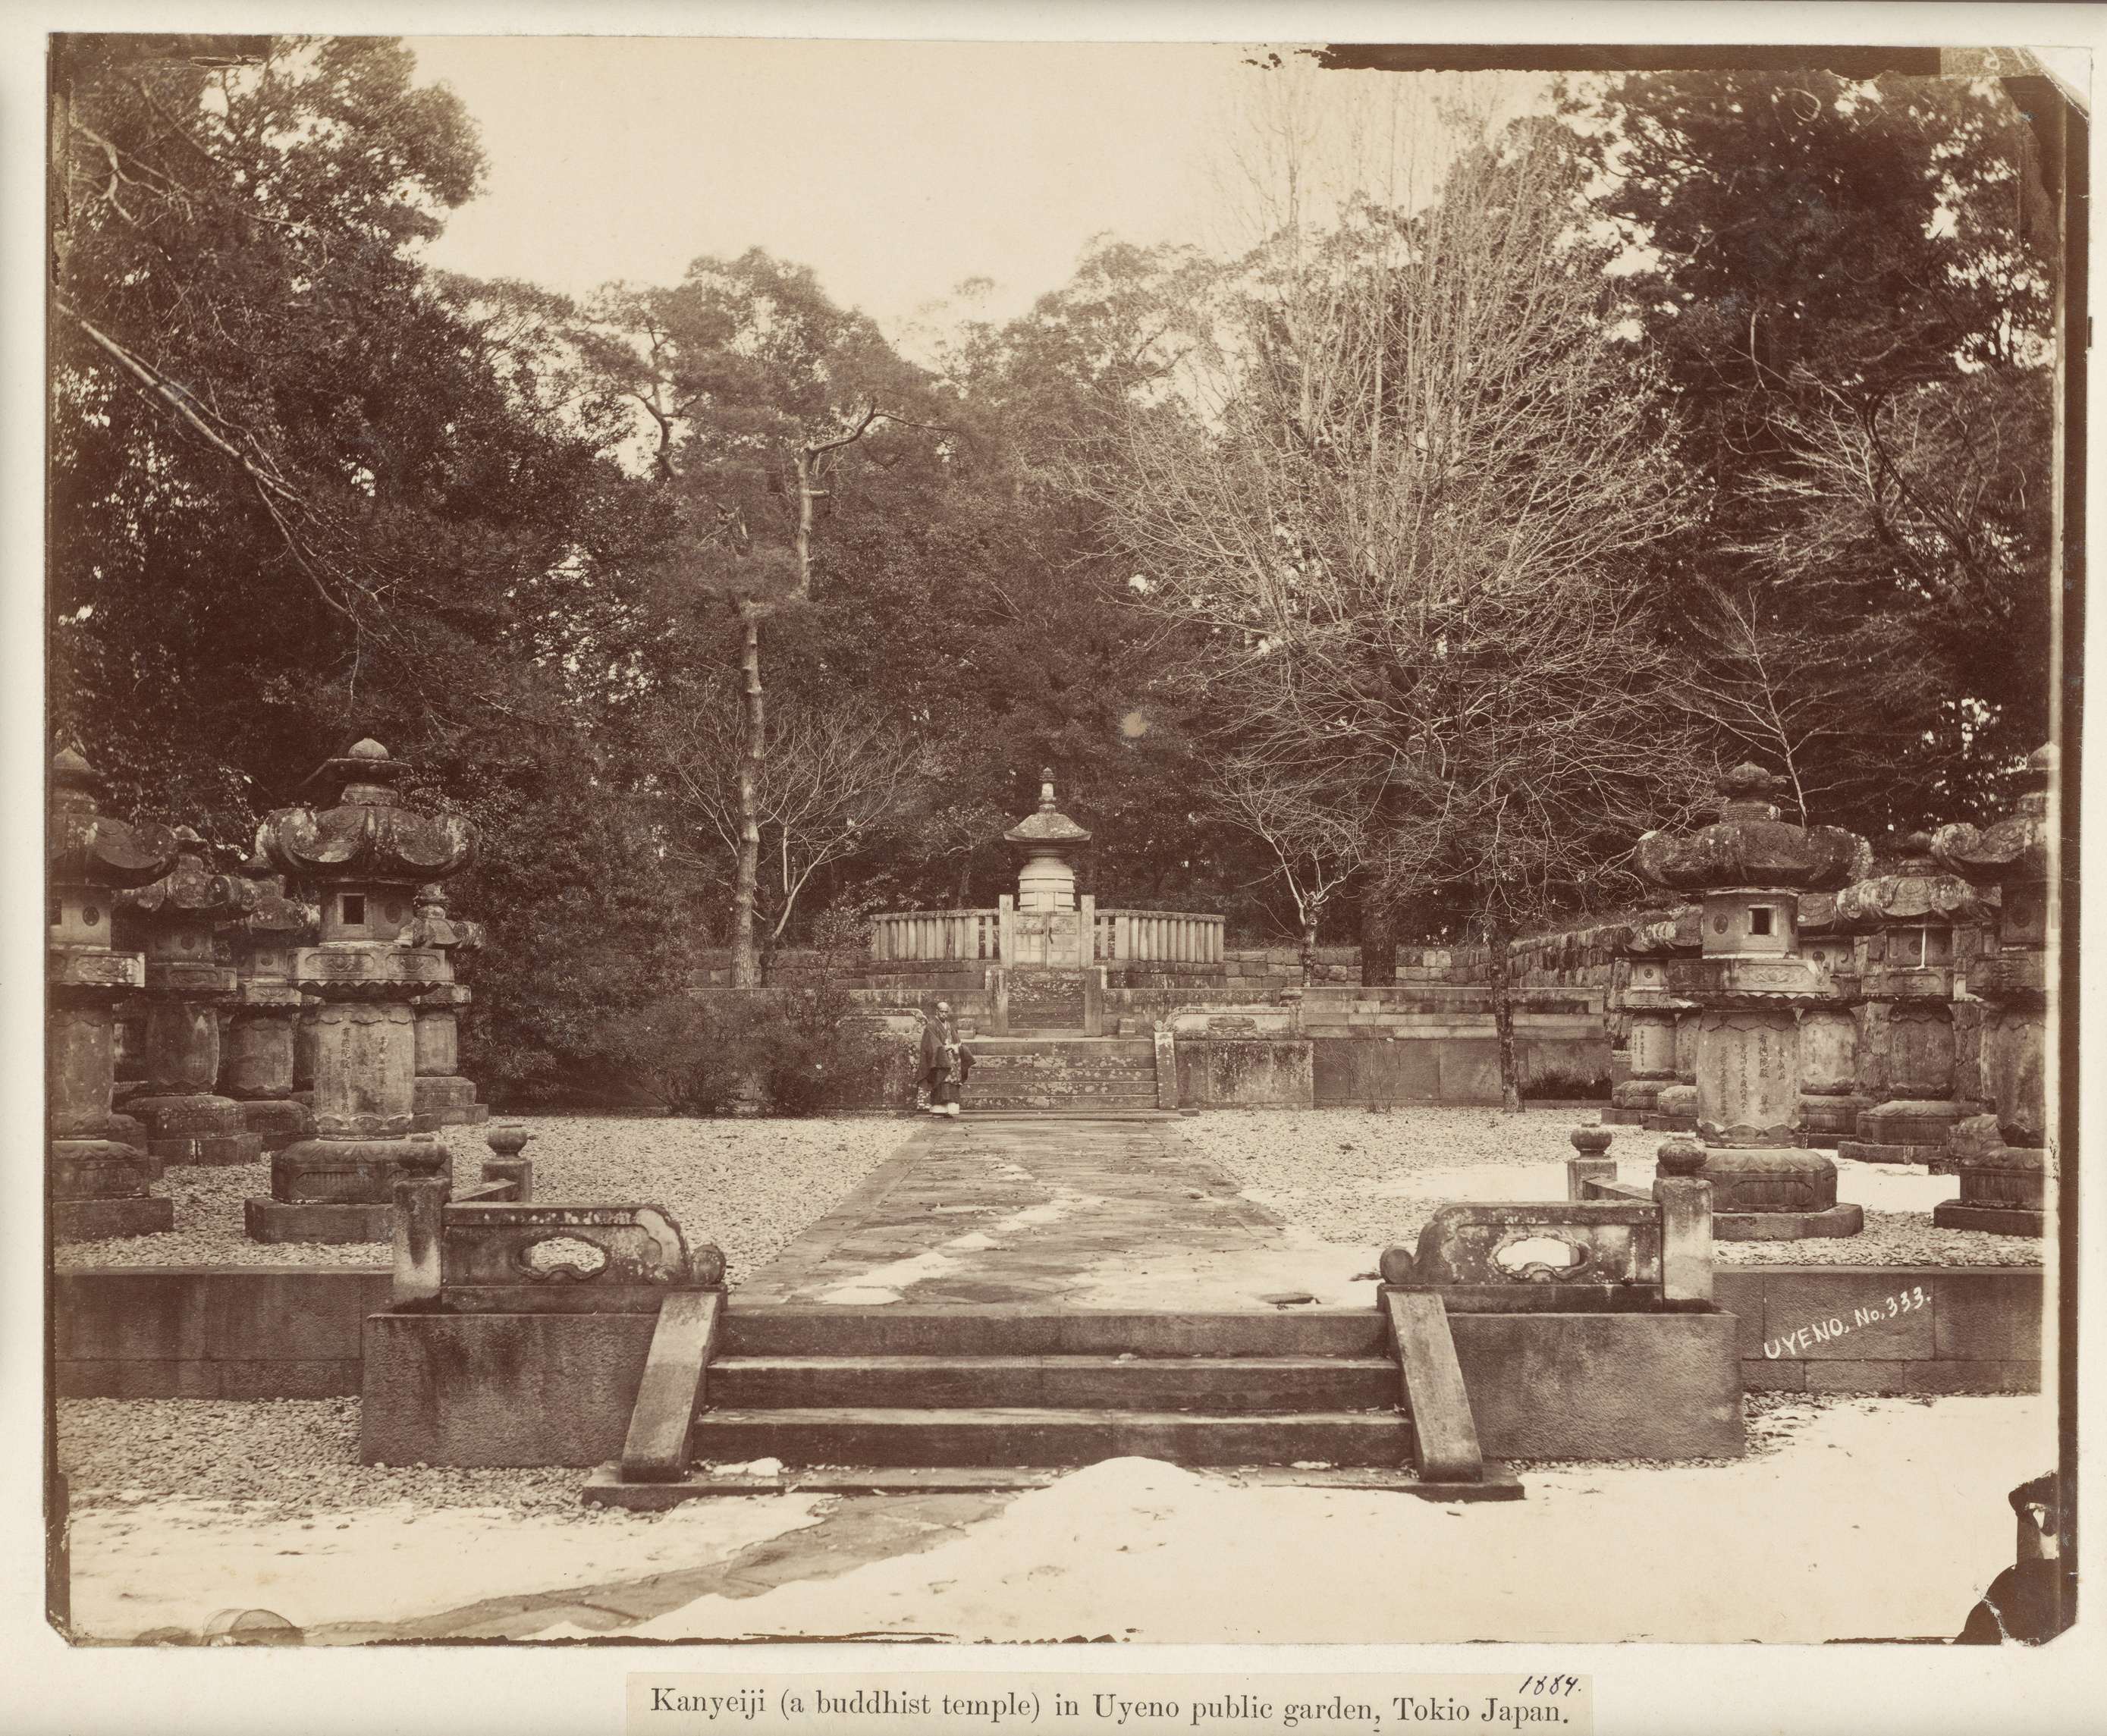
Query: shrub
{"points": [[804, 1050]]}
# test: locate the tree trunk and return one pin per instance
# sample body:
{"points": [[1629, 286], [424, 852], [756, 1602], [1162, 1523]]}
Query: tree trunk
{"points": [[745, 968], [1378, 941], [1499, 936], [1309, 949]]}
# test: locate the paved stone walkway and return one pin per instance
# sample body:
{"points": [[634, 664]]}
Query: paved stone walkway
{"points": [[1071, 1213]]}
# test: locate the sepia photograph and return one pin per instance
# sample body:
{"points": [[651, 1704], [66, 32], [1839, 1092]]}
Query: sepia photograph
{"points": [[1108, 844]]}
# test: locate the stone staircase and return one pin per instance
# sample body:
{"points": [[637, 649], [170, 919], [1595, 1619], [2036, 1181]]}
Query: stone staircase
{"points": [[1018, 1387], [1073, 1074]]}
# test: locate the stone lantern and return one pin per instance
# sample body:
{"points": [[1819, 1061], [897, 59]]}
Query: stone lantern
{"points": [[2005, 1158], [1829, 1100], [1650, 1006], [367, 854], [1906, 1066], [98, 1169], [189, 979], [442, 1098], [1046, 840], [1749, 869], [266, 1011]]}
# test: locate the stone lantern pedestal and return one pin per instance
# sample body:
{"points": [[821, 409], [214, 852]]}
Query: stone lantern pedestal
{"points": [[367, 854], [1751, 987], [2006, 1157], [188, 980], [258, 1073], [97, 1170]]}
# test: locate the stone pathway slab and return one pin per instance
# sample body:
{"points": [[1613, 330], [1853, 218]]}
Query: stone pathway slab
{"points": [[1071, 1213]]}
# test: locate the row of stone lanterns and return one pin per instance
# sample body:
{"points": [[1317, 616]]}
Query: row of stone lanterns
{"points": [[376, 1001], [1777, 1039]]}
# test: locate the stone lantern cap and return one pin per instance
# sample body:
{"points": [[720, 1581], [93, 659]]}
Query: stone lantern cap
{"points": [[1914, 891], [191, 892], [368, 834], [1749, 846], [1049, 825], [432, 926], [276, 914], [2014, 849], [87, 848]]}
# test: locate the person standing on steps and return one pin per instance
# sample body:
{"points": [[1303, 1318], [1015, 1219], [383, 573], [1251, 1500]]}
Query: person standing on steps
{"points": [[945, 1061]]}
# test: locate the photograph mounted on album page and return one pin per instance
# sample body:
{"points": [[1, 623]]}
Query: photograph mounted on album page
{"points": [[1108, 843]]}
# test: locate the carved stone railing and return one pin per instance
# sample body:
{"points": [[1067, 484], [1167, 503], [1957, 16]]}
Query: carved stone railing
{"points": [[1155, 937], [935, 936], [1143, 937]]}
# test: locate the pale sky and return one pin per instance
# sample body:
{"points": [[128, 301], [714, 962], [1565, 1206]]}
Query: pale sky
{"points": [[896, 170]]}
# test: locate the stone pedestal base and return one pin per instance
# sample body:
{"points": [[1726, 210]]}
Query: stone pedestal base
{"points": [[96, 1169], [2004, 1189], [446, 1099], [1786, 1226], [92, 1220], [1675, 1110], [278, 1122], [1642, 1095], [1998, 1220], [1858, 1151], [195, 1129], [352, 1171], [265, 1220], [98, 1188], [1909, 1121], [1825, 1122]]}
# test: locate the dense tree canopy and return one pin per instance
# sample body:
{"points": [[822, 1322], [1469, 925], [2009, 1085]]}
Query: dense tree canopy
{"points": [[1847, 288], [1496, 501]]}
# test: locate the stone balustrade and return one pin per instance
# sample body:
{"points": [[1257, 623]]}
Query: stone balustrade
{"points": [[1155, 937], [1152, 937], [936, 936]]}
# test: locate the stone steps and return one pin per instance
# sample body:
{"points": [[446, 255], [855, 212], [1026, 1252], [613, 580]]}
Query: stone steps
{"points": [[1000, 1435], [1024, 1329], [1242, 1386], [1053, 1073]]}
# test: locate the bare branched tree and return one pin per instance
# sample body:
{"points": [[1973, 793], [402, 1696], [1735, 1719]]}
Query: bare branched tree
{"points": [[1405, 513], [831, 783], [1319, 836]]}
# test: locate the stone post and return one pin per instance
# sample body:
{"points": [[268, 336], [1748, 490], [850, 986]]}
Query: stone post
{"points": [[1749, 868], [506, 1141], [366, 855], [1592, 1162], [1909, 1093], [259, 1067], [2006, 1156], [1685, 1197], [442, 1097], [188, 980], [97, 1170], [420, 1207]]}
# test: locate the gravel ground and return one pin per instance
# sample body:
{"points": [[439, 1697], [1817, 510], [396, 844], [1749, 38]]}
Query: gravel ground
{"points": [[1374, 1178], [287, 1454], [747, 1185]]}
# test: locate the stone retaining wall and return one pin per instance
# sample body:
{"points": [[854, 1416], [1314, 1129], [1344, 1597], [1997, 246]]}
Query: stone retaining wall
{"points": [[294, 1332]]}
